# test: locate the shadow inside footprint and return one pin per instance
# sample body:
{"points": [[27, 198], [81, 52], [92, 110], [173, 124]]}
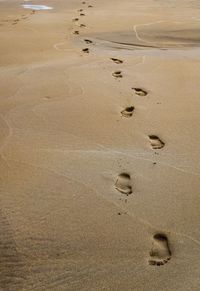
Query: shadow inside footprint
{"points": [[76, 32], [82, 25], [117, 74], [86, 50], [82, 14], [75, 19], [140, 92], [117, 61], [88, 41], [128, 111], [156, 142], [160, 252], [123, 184]]}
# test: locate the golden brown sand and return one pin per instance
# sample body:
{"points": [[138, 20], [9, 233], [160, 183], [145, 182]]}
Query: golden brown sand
{"points": [[99, 140]]}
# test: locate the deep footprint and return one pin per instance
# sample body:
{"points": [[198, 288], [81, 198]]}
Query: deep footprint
{"points": [[140, 92], [160, 252], [86, 50], [156, 142], [123, 184], [117, 74], [117, 61], [128, 111], [88, 41]]}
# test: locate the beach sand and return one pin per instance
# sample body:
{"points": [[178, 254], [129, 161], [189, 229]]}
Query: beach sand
{"points": [[99, 171]]}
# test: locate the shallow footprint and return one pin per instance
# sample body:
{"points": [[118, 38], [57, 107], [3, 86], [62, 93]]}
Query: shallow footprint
{"points": [[156, 142], [76, 32], [123, 184], [128, 111], [117, 61], [160, 252], [117, 74], [140, 92]]}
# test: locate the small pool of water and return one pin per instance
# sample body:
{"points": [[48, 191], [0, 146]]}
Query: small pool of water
{"points": [[37, 7]]}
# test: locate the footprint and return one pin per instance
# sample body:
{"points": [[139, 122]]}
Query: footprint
{"points": [[76, 32], [82, 14], [82, 25], [15, 21], [123, 184], [47, 97], [75, 19], [80, 10], [140, 91], [117, 61], [128, 111], [88, 41], [160, 252], [86, 50], [90, 6], [117, 74], [156, 142]]}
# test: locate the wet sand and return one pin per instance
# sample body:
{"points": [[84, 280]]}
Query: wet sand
{"points": [[99, 145]]}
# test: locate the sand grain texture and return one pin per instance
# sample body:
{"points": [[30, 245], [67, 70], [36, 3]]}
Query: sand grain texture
{"points": [[99, 139]]}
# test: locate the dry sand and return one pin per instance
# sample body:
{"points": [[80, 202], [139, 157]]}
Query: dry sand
{"points": [[99, 140]]}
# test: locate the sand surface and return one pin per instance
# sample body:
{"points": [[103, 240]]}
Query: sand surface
{"points": [[99, 138]]}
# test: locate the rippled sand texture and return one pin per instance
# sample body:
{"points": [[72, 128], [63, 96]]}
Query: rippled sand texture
{"points": [[99, 171]]}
